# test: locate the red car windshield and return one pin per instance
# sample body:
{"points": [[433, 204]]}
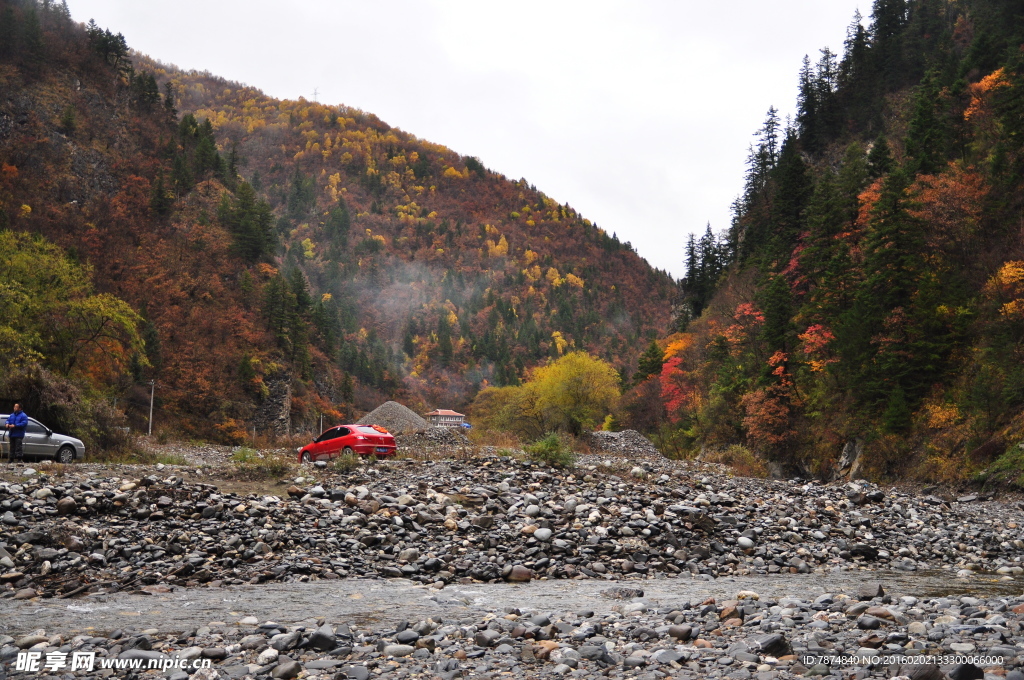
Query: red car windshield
{"points": [[364, 429]]}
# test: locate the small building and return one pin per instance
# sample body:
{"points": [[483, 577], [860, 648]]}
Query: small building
{"points": [[445, 418]]}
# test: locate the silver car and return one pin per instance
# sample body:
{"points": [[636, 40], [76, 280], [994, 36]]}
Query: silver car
{"points": [[42, 442]]}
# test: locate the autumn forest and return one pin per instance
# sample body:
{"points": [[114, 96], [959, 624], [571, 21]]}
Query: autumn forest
{"points": [[243, 251]]}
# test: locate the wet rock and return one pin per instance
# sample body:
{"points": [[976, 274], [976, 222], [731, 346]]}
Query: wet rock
{"points": [[357, 673], [966, 671], [519, 574], [922, 672], [30, 641], [285, 641], [869, 591], [323, 638], [868, 623], [286, 670], [681, 632]]}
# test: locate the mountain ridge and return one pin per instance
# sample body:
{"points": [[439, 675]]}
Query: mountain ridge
{"points": [[269, 242]]}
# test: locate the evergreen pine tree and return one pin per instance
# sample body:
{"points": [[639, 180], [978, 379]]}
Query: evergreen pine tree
{"points": [[8, 31], [31, 37], [169, 99], [250, 221], [927, 137], [339, 221], [793, 188], [650, 362], [160, 200], [880, 159], [777, 303]]}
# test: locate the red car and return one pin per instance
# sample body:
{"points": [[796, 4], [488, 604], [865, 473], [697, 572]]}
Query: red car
{"points": [[366, 440]]}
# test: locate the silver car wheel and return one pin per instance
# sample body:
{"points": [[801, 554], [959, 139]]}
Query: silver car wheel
{"points": [[66, 455]]}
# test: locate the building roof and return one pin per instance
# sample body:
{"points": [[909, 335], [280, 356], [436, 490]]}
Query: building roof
{"points": [[444, 412]]}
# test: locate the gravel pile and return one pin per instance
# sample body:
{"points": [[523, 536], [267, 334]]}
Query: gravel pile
{"points": [[394, 417], [485, 519], [433, 438], [625, 443], [868, 634]]}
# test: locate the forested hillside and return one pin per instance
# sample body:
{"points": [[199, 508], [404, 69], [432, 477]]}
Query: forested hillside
{"points": [[275, 250], [427, 272], [870, 290]]}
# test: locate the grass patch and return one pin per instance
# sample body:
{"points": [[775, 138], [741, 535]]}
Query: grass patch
{"points": [[244, 454], [498, 438], [127, 453], [741, 459], [346, 462], [551, 450], [253, 464], [1007, 469], [54, 469]]}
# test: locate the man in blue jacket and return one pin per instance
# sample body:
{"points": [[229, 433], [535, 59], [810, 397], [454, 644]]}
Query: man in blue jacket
{"points": [[16, 432]]}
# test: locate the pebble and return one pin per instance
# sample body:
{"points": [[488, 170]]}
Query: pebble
{"points": [[399, 519], [677, 642], [499, 518]]}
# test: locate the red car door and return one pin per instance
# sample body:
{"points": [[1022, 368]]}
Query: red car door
{"points": [[322, 446], [338, 442]]}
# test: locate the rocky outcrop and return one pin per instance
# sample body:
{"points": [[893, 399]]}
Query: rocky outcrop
{"points": [[274, 414]]}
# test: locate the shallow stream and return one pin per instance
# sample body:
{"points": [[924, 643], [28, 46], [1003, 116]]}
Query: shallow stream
{"points": [[387, 602]]}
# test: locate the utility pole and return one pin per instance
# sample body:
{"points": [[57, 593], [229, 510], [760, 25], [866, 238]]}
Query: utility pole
{"points": [[316, 92], [152, 390], [321, 422]]}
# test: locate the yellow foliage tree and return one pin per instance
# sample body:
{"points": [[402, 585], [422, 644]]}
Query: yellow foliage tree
{"points": [[55, 318], [560, 341], [498, 250], [572, 394], [575, 392]]}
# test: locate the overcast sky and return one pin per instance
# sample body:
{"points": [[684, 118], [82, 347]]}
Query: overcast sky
{"points": [[638, 114]]}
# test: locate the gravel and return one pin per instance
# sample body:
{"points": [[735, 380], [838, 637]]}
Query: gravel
{"points": [[395, 418], [617, 518], [626, 442], [439, 521], [743, 637], [432, 439]]}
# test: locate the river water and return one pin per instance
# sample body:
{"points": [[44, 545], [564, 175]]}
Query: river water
{"points": [[382, 603]]}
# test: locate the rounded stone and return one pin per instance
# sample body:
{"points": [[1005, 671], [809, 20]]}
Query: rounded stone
{"points": [[520, 574]]}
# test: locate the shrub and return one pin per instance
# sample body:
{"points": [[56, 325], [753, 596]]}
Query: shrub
{"points": [[551, 450], [256, 465], [1008, 469], [346, 462], [741, 459], [244, 454]]}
